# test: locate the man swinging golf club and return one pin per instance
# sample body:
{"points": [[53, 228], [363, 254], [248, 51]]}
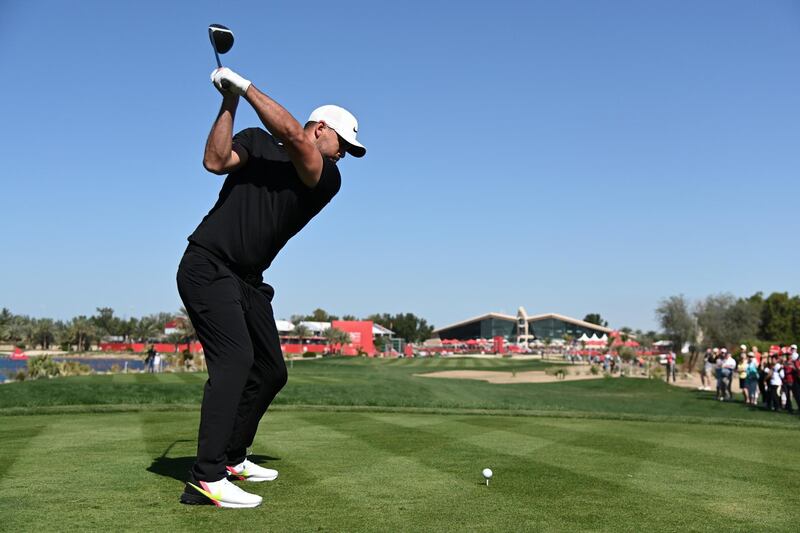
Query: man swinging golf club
{"points": [[276, 184]]}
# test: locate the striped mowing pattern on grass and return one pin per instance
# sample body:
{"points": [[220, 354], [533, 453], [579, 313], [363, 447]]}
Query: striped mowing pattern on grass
{"points": [[400, 472]]}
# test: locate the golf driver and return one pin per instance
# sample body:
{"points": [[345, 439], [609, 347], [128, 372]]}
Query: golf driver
{"points": [[221, 41]]}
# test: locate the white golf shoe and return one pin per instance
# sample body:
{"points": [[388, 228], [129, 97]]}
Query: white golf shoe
{"points": [[221, 493], [249, 471]]}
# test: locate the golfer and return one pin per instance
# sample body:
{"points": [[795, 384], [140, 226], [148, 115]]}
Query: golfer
{"points": [[277, 182]]}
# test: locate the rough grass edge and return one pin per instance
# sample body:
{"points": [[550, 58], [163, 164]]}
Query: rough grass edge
{"points": [[581, 415]]}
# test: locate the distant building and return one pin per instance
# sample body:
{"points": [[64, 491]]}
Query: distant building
{"points": [[520, 329]]}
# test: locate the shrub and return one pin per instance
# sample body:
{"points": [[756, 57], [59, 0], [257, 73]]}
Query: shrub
{"points": [[627, 353], [595, 370], [309, 354], [657, 372], [73, 368], [21, 375], [42, 367]]}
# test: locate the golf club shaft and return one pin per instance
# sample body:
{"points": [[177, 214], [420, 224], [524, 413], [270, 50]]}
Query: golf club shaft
{"points": [[225, 84]]}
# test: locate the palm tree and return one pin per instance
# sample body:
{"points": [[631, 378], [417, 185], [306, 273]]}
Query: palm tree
{"points": [[301, 332], [187, 328], [82, 330], [336, 338], [146, 328], [43, 332]]}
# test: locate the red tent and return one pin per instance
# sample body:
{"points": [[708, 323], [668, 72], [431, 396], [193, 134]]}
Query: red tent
{"points": [[472, 342], [18, 354]]}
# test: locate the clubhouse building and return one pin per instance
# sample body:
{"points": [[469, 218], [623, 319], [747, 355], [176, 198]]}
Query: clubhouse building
{"points": [[520, 329]]}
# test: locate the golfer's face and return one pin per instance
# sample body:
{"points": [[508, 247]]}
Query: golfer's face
{"points": [[332, 146]]}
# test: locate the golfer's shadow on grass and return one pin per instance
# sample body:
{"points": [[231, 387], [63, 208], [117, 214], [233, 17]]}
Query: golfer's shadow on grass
{"points": [[178, 467]]}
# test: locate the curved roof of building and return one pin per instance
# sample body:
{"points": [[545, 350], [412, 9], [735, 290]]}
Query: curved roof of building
{"points": [[533, 318], [477, 319]]}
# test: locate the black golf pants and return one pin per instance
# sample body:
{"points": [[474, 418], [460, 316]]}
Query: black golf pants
{"points": [[234, 323]]}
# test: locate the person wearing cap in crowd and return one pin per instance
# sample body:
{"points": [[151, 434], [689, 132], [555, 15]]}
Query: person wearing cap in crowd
{"points": [[756, 355], [671, 366], [277, 181], [728, 369], [775, 380], [719, 358], [742, 371], [751, 379]]}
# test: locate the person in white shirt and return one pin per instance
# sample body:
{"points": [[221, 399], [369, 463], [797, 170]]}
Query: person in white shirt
{"points": [[775, 383], [728, 366]]}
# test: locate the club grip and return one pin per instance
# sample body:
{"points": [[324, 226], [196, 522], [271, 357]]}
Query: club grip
{"points": [[225, 84]]}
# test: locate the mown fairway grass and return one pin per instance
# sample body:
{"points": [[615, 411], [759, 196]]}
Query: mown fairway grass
{"points": [[365, 445]]}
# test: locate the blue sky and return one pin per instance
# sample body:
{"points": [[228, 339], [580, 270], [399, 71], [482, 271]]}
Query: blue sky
{"points": [[569, 157]]}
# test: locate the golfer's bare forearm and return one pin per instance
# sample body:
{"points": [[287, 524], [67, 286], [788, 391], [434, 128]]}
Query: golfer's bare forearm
{"points": [[219, 145], [277, 120], [303, 153]]}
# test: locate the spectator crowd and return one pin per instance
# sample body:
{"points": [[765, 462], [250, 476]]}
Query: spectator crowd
{"points": [[771, 379]]}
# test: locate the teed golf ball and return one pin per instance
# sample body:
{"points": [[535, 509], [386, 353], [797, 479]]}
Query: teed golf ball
{"points": [[487, 473]]}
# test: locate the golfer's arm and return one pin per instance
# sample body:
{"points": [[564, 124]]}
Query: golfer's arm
{"points": [[219, 156], [304, 155]]}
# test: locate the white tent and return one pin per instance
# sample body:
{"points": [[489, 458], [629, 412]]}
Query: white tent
{"points": [[316, 328], [583, 338], [284, 326]]}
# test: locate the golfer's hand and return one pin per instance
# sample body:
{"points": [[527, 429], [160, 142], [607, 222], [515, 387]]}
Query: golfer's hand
{"points": [[226, 80]]}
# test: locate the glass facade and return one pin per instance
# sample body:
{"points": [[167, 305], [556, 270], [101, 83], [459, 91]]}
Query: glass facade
{"points": [[482, 329], [544, 328], [553, 328]]}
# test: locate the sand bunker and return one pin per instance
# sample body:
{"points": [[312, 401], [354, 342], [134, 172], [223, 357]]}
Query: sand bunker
{"points": [[538, 376], [533, 376]]}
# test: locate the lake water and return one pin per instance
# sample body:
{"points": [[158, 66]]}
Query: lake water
{"points": [[8, 367]]}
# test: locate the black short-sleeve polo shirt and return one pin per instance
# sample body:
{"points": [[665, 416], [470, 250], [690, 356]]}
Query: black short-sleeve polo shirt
{"points": [[263, 204]]}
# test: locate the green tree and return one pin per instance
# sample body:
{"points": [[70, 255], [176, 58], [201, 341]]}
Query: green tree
{"points": [[319, 315], [676, 320], [44, 330], [406, 326], [595, 318], [726, 320], [302, 332], [147, 328], [776, 318], [105, 322], [82, 332], [6, 318], [336, 338]]}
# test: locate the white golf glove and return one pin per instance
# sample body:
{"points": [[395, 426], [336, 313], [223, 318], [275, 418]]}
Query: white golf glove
{"points": [[235, 83]]}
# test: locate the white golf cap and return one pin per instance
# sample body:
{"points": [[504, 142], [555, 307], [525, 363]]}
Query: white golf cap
{"points": [[342, 122]]}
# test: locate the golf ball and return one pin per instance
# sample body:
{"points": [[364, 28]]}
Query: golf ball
{"points": [[487, 473]]}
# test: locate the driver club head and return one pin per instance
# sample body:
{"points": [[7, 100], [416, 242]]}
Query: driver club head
{"points": [[221, 38]]}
